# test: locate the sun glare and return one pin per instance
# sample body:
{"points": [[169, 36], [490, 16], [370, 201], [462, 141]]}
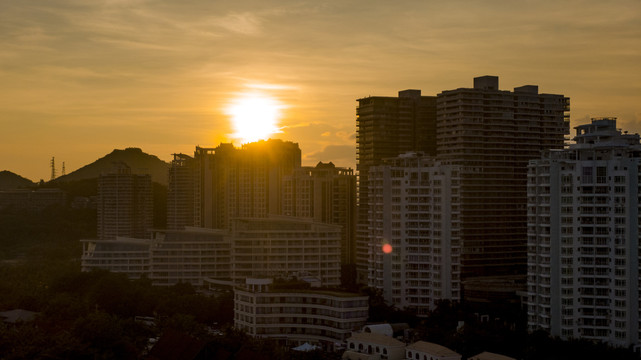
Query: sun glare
{"points": [[254, 117]]}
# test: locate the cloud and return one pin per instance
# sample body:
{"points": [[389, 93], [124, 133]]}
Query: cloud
{"points": [[243, 23]]}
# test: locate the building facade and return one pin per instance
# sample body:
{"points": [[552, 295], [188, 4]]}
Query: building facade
{"points": [[285, 247], [192, 255], [387, 127], [228, 182], [297, 316], [372, 346], [325, 193], [125, 203], [181, 197], [415, 209], [492, 134], [583, 237]]}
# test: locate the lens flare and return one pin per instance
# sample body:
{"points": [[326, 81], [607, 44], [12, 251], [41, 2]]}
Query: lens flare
{"points": [[387, 248]]}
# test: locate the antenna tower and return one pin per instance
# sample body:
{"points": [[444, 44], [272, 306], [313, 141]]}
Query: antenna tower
{"points": [[63, 169], [53, 168]]}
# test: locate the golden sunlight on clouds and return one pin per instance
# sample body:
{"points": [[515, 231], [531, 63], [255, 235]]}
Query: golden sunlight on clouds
{"points": [[254, 116]]}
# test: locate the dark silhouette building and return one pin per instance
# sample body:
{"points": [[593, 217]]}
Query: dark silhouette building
{"points": [[387, 127], [125, 203], [492, 134]]}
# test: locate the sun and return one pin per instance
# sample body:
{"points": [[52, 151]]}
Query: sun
{"points": [[254, 116]]}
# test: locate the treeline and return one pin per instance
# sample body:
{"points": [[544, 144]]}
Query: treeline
{"points": [[86, 314]]}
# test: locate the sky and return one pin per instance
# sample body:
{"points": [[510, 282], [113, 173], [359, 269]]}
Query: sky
{"points": [[80, 78]]}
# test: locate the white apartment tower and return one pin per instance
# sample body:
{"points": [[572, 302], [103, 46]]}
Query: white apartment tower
{"points": [[414, 207], [583, 237]]}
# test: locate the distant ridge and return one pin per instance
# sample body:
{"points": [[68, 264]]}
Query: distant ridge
{"points": [[9, 180], [138, 161]]}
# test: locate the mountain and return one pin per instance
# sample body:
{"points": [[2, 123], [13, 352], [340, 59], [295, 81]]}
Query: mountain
{"points": [[138, 161], [9, 180]]}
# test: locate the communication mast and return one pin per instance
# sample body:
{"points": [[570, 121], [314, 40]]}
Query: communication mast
{"points": [[63, 169], [53, 168]]}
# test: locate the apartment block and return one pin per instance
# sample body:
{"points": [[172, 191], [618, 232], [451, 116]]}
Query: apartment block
{"points": [[414, 231], [324, 193], [125, 203], [493, 134], [387, 127], [583, 237], [225, 182]]}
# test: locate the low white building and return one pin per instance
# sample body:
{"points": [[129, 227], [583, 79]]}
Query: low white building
{"points": [[297, 315], [169, 257]]}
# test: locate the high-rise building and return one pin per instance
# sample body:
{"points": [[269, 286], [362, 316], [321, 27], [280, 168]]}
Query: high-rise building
{"points": [[583, 237], [492, 134], [325, 193], [228, 182], [125, 203], [387, 127], [180, 193], [414, 232], [484, 139]]}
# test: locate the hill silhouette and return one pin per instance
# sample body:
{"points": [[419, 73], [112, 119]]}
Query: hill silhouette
{"points": [[9, 180], [139, 162]]}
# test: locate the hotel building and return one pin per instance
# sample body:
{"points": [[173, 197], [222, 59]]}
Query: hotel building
{"points": [[296, 316], [285, 247]]}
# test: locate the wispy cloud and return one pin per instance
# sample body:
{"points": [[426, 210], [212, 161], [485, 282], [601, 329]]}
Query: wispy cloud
{"points": [[241, 23]]}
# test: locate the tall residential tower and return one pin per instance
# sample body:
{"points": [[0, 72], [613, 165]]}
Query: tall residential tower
{"points": [[387, 127], [492, 134], [583, 237]]}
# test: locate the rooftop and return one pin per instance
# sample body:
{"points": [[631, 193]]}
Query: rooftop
{"points": [[431, 348], [375, 339]]}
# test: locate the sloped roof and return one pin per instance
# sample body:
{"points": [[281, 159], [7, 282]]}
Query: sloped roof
{"points": [[490, 356], [374, 338], [431, 348]]}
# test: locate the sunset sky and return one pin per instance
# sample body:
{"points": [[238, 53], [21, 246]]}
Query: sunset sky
{"points": [[79, 78]]}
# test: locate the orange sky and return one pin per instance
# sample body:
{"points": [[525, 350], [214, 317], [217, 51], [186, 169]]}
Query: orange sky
{"points": [[79, 78]]}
